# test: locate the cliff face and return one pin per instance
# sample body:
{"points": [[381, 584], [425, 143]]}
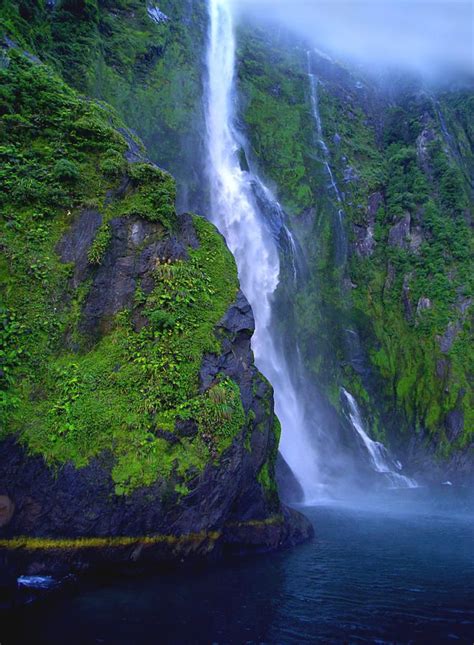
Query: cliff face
{"points": [[383, 306], [410, 268], [383, 212], [134, 422]]}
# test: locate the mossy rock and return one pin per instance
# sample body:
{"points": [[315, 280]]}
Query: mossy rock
{"points": [[93, 362]]}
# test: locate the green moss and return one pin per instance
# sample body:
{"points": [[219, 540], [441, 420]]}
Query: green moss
{"points": [[266, 475], [73, 544], [118, 395], [276, 113], [100, 244], [152, 197], [112, 50], [404, 392]]}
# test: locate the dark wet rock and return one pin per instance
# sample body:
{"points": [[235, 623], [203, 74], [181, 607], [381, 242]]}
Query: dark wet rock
{"points": [[226, 508], [463, 305], [167, 435], [239, 318], [442, 368], [454, 424], [453, 329], [354, 352], [135, 247], [236, 359], [7, 508], [375, 202], [289, 487], [399, 234], [186, 428], [76, 242], [365, 242], [419, 454], [446, 341], [135, 153], [293, 529]]}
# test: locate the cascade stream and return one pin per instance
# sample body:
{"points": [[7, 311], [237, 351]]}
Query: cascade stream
{"points": [[379, 457], [253, 223], [341, 253], [237, 201]]}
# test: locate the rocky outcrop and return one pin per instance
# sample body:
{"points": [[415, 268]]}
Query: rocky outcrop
{"points": [[364, 235], [400, 232], [289, 487], [425, 138], [143, 432], [74, 514], [447, 339]]}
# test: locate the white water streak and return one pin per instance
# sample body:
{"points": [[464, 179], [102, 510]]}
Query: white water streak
{"points": [[313, 84], [235, 212], [378, 454]]}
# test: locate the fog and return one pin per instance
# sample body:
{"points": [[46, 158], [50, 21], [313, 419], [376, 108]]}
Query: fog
{"points": [[431, 37]]}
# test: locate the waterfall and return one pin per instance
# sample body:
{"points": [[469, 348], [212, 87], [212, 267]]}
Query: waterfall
{"points": [[250, 218], [340, 230], [378, 455]]}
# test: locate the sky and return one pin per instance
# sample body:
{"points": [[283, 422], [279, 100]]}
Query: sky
{"points": [[425, 35]]}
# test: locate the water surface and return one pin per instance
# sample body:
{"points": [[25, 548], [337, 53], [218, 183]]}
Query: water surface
{"points": [[400, 571]]}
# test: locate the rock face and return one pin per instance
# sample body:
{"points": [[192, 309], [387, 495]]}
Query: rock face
{"points": [[75, 516], [364, 235], [142, 430], [228, 508], [400, 232]]}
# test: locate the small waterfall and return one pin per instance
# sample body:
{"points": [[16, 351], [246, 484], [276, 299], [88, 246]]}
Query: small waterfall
{"points": [[379, 457], [293, 253], [340, 230], [252, 222]]}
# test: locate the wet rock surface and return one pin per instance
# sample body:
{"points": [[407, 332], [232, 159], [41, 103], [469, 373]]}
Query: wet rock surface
{"points": [[226, 504], [131, 256]]}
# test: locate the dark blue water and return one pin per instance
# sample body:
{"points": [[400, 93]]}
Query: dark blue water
{"points": [[399, 572]]}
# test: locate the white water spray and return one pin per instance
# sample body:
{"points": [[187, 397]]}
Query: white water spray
{"points": [[251, 238], [379, 456]]}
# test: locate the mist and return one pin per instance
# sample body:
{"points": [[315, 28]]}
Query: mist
{"points": [[433, 38]]}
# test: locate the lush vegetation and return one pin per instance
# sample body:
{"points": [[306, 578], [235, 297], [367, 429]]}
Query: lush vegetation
{"points": [[113, 50], [275, 111], [414, 288], [409, 293], [69, 397], [408, 298]]}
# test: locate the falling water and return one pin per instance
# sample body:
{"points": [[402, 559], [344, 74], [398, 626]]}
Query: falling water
{"points": [[340, 230], [247, 214], [379, 457]]}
